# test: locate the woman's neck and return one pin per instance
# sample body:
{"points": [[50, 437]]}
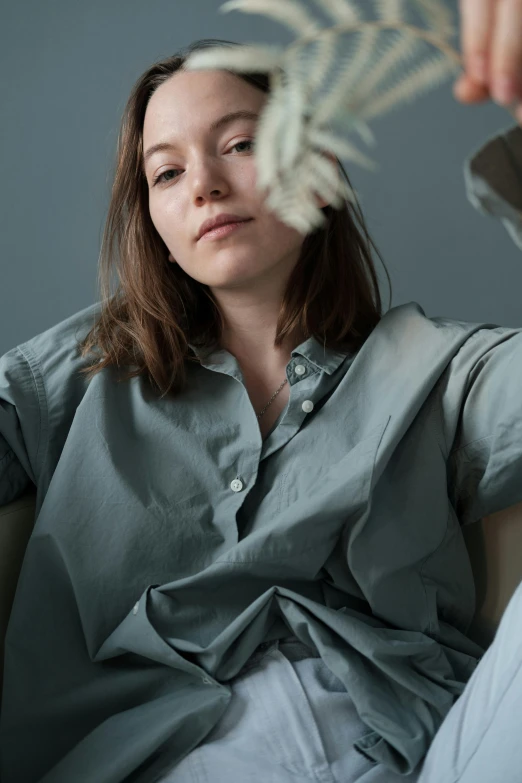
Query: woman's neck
{"points": [[260, 358]]}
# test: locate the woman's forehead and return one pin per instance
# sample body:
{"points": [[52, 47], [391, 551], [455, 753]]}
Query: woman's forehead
{"points": [[201, 88], [185, 105]]}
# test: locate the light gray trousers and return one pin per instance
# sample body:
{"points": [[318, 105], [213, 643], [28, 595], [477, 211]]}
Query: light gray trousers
{"points": [[290, 719]]}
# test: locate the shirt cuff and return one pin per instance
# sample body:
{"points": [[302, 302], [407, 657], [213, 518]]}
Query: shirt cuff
{"points": [[493, 176]]}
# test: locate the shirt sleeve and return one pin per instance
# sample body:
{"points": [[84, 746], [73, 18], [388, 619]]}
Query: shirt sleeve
{"points": [[493, 177], [20, 426], [481, 410]]}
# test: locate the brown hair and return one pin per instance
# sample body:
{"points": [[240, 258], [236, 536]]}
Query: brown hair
{"points": [[157, 309]]}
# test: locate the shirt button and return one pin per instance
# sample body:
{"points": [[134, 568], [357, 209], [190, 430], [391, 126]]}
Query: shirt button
{"points": [[300, 369], [307, 406], [206, 681], [136, 607], [236, 485]]}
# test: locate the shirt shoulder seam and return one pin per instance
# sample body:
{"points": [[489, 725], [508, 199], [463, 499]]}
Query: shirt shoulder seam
{"points": [[38, 381]]}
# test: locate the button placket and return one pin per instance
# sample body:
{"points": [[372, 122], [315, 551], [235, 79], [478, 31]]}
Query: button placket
{"points": [[307, 405]]}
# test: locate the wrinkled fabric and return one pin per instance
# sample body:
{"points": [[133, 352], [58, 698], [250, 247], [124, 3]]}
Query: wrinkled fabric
{"points": [[171, 539], [290, 720]]}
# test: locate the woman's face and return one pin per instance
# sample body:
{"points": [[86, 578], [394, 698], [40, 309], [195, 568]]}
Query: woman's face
{"points": [[210, 171]]}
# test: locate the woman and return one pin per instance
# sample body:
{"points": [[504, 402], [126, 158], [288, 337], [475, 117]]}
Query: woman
{"points": [[247, 562]]}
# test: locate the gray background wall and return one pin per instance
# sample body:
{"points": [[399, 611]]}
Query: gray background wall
{"points": [[67, 69]]}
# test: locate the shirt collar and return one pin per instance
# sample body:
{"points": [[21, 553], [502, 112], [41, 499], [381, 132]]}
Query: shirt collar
{"points": [[322, 357]]}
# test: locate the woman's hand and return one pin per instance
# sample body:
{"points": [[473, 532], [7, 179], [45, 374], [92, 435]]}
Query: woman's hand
{"points": [[491, 42]]}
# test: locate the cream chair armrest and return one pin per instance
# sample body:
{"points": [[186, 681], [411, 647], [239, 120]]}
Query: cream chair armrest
{"points": [[16, 524], [495, 549]]}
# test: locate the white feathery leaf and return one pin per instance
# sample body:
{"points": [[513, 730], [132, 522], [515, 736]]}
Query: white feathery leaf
{"points": [[239, 58], [296, 207], [269, 129], [341, 11], [423, 78], [297, 197], [340, 147], [437, 16], [288, 12], [267, 151], [324, 177], [349, 74], [294, 106], [403, 48], [330, 186], [365, 132], [298, 59], [390, 10], [325, 56]]}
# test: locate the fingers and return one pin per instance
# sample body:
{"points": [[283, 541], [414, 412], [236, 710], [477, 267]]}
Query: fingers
{"points": [[506, 52], [467, 90], [491, 42], [476, 25]]}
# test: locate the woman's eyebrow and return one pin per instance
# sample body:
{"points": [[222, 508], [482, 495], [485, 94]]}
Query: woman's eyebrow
{"points": [[243, 114]]}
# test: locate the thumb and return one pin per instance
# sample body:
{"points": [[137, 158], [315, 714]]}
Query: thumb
{"points": [[468, 91]]}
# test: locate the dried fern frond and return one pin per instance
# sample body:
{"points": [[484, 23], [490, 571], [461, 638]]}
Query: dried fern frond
{"points": [[341, 11], [383, 58], [250, 58], [288, 12], [390, 10], [437, 16], [424, 77]]}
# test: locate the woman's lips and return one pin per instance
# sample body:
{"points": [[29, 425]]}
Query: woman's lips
{"points": [[224, 230]]}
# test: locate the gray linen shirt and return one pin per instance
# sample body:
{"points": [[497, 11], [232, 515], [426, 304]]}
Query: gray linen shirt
{"points": [[171, 540]]}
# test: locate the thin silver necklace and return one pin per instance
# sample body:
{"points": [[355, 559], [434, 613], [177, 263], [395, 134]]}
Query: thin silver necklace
{"points": [[274, 395]]}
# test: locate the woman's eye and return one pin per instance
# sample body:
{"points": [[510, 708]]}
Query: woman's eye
{"points": [[160, 177], [245, 141]]}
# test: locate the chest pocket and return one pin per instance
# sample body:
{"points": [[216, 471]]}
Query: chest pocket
{"points": [[339, 471]]}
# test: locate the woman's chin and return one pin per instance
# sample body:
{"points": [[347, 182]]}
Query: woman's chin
{"points": [[231, 273]]}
